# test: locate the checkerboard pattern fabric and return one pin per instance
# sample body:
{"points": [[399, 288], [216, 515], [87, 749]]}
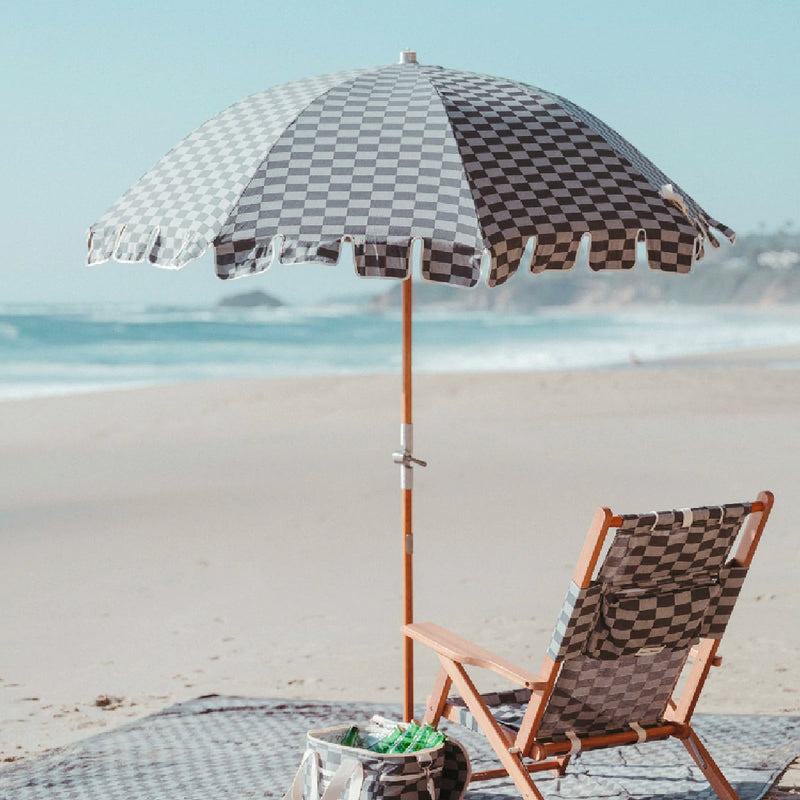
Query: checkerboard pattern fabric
{"points": [[594, 696], [507, 707], [226, 748], [576, 621], [651, 549], [372, 159], [667, 618], [591, 697], [538, 170], [647, 168], [176, 209], [474, 167], [731, 578], [666, 581]]}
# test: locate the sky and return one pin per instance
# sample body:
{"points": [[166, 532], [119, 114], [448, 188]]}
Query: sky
{"points": [[94, 93]]}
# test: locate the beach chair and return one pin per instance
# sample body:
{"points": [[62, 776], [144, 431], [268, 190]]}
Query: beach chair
{"points": [[662, 595]]}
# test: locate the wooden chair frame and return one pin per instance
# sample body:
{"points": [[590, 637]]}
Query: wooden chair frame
{"points": [[511, 747]]}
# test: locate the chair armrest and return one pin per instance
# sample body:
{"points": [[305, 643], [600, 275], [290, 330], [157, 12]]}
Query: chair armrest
{"points": [[462, 651]]}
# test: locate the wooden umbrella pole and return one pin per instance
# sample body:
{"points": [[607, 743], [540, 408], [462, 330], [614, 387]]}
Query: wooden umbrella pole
{"points": [[407, 489], [405, 457]]}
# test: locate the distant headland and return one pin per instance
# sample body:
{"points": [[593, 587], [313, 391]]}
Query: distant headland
{"points": [[256, 298]]}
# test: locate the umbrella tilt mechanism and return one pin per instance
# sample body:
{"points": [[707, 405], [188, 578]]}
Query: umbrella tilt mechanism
{"points": [[405, 456]]}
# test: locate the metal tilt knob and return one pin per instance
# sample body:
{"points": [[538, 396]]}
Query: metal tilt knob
{"points": [[404, 457]]}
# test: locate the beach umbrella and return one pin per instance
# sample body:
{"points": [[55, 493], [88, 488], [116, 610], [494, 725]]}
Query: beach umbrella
{"points": [[486, 175]]}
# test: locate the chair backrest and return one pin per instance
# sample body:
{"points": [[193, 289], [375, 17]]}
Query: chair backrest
{"points": [[623, 636]]}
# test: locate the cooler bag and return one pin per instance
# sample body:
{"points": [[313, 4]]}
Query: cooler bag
{"points": [[332, 771]]}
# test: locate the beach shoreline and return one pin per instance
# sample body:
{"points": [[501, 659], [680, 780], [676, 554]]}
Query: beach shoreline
{"points": [[242, 537], [53, 351]]}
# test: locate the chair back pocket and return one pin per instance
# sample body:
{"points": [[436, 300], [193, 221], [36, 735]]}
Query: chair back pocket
{"points": [[638, 624]]}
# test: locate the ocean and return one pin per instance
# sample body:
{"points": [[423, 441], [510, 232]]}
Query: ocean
{"points": [[52, 350]]}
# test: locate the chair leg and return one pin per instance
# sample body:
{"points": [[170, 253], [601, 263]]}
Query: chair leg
{"points": [[563, 762], [511, 761], [709, 767], [438, 698]]}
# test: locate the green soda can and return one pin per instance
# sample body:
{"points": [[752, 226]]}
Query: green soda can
{"points": [[350, 738]]}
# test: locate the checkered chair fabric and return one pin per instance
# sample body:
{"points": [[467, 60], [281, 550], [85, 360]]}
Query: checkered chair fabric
{"points": [[651, 549], [472, 166], [664, 583], [508, 708], [625, 689]]}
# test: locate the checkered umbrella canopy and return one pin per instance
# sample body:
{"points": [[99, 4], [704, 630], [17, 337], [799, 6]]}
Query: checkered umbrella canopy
{"points": [[475, 167]]}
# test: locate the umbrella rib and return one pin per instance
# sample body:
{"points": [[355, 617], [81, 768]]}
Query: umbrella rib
{"points": [[464, 177]]}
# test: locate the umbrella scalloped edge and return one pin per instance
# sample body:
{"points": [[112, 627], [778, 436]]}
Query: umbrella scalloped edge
{"points": [[135, 243], [668, 250]]}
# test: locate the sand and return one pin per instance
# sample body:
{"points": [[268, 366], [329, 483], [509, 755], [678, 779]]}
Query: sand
{"points": [[243, 537]]}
